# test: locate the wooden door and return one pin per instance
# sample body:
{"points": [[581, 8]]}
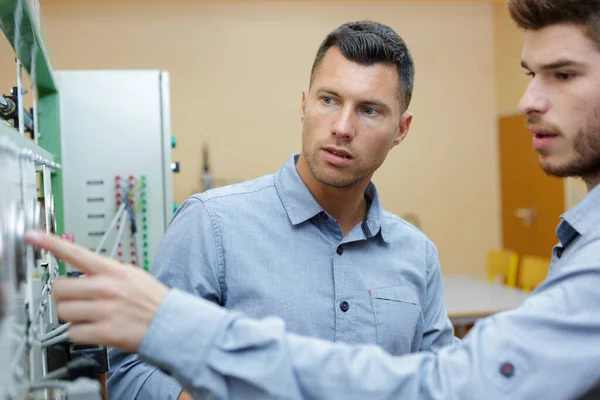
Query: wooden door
{"points": [[532, 201]]}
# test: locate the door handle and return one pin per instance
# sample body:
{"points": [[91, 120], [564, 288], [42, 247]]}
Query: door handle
{"points": [[527, 215]]}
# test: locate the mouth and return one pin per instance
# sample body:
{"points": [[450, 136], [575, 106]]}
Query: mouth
{"points": [[541, 133], [544, 135], [542, 139], [338, 152]]}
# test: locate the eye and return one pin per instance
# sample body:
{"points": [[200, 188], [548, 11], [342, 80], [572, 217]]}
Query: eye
{"points": [[327, 100], [370, 111], [564, 76], [530, 74]]}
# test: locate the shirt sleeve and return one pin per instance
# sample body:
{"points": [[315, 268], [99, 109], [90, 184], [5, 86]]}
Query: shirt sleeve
{"points": [[547, 348], [438, 331], [189, 258]]}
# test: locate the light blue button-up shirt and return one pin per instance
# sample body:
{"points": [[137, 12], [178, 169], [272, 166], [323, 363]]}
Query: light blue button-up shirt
{"points": [[267, 248], [548, 348]]}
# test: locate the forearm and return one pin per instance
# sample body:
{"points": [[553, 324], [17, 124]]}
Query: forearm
{"points": [[243, 358], [506, 356]]}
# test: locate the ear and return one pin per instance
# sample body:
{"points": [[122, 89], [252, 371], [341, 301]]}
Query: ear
{"points": [[302, 104], [403, 128]]}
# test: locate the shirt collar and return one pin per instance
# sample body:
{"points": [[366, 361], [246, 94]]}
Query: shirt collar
{"points": [[300, 205], [581, 219]]}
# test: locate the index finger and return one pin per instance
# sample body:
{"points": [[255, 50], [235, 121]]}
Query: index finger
{"points": [[82, 259]]}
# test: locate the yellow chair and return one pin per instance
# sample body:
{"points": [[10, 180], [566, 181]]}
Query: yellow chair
{"points": [[503, 264], [533, 271]]}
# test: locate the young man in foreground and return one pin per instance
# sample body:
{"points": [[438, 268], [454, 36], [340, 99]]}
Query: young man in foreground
{"points": [[548, 348]]}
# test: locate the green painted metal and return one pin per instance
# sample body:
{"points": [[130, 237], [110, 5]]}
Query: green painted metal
{"points": [[20, 28], [49, 122]]}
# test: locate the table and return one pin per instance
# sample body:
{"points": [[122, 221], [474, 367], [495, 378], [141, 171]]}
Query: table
{"points": [[468, 298]]}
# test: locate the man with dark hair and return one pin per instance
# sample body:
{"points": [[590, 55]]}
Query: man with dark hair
{"points": [[548, 348], [368, 43], [311, 244]]}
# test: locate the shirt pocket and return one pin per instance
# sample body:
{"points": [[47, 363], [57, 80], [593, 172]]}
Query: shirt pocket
{"points": [[398, 319]]}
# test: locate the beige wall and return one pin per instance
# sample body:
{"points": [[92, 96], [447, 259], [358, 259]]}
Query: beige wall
{"points": [[511, 80], [237, 72]]}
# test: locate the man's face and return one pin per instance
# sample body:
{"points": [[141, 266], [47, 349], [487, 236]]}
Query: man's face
{"points": [[562, 101], [352, 117]]}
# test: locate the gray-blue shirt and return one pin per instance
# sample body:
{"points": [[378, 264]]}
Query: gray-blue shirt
{"points": [[548, 348], [267, 248]]}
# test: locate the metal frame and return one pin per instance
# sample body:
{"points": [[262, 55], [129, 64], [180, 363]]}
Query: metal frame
{"points": [[20, 27], [40, 155]]}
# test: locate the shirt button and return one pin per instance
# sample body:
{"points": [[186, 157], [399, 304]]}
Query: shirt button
{"points": [[344, 306], [507, 369], [340, 250]]}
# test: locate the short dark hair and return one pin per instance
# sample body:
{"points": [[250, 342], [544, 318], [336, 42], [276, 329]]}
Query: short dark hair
{"points": [[368, 43], [538, 14]]}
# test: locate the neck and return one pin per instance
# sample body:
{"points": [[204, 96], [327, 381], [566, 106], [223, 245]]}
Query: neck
{"points": [[592, 181], [347, 205]]}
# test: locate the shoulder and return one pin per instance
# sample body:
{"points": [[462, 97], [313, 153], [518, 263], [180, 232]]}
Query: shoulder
{"points": [[400, 228], [243, 189]]}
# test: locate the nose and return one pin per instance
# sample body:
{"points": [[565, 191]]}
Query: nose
{"points": [[344, 124], [534, 100]]}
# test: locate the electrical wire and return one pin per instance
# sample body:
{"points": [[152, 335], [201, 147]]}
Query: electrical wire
{"points": [[52, 341], [127, 192], [55, 332], [75, 365], [117, 239], [110, 227]]}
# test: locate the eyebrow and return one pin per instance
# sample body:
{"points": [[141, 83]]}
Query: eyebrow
{"points": [[554, 65], [368, 102]]}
